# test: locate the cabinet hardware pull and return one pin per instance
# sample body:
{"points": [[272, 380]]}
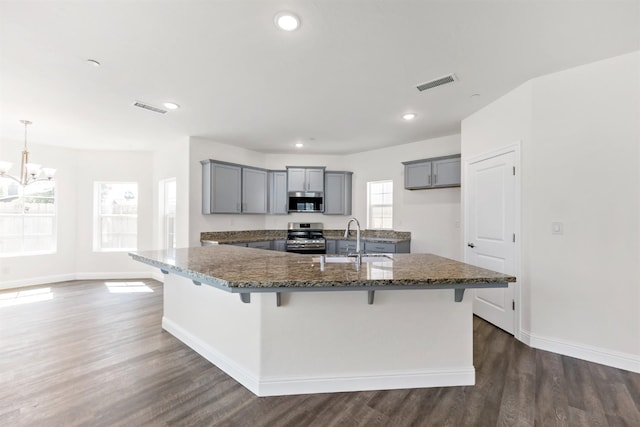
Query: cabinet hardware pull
{"points": [[435, 179], [471, 245]]}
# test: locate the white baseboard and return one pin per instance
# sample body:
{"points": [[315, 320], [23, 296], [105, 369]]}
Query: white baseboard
{"points": [[35, 281], [626, 361], [144, 274], [400, 380], [288, 386], [54, 278], [235, 371]]}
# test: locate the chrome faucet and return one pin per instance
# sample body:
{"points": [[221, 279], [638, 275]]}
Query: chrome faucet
{"points": [[346, 235]]}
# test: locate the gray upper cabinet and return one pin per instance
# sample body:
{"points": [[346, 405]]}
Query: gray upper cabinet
{"points": [[446, 172], [277, 192], [221, 187], [337, 193], [436, 172], [254, 191], [417, 175], [228, 188], [305, 179]]}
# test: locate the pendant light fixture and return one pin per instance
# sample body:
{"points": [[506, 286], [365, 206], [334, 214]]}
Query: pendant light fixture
{"points": [[29, 172]]}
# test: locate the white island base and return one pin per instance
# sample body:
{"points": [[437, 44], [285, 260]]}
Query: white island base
{"points": [[318, 342]]}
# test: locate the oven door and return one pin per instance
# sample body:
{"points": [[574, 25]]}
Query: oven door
{"points": [[307, 251]]}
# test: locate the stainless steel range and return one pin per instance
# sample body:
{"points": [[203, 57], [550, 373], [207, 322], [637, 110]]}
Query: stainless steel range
{"points": [[306, 238]]}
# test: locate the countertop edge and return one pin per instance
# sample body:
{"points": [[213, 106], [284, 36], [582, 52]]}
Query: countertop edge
{"points": [[297, 285]]}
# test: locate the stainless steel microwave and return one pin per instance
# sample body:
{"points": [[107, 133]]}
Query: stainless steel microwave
{"points": [[306, 201]]}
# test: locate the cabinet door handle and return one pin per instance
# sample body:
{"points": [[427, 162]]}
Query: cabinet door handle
{"points": [[429, 179], [435, 179], [471, 245]]}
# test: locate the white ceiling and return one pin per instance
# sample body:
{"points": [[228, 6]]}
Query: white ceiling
{"points": [[344, 78]]}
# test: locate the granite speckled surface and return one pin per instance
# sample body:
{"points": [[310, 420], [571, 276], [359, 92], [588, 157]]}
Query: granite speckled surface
{"points": [[245, 236], [237, 267]]}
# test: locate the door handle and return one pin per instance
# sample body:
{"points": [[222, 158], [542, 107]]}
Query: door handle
{"points": [[471, 245]]}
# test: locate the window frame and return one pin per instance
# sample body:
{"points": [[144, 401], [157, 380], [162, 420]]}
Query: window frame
{"points": [[370, 216], [24, 215], [97, 217], [164, 214]]}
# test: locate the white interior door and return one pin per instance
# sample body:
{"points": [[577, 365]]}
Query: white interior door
{"points": [[491, 218]]}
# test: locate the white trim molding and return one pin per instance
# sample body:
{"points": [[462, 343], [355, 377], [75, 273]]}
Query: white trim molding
{"points": [[626, 361], [263, 387], [401, 380], [55, 278], [516, 148], [230, 367]]}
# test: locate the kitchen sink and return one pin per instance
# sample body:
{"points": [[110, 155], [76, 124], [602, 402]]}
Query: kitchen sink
{"points": [[348, 259]]}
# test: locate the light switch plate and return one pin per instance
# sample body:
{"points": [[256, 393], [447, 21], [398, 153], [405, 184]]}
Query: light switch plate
{"points": [[557, 228]]}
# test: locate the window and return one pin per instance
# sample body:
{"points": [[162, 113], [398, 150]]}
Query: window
{"points": [[167, 211], [115, 216], [380, 204], [27, 218]]}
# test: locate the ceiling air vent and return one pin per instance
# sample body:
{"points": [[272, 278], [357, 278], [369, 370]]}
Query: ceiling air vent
{"points": [[149, 107], [437, 82]]}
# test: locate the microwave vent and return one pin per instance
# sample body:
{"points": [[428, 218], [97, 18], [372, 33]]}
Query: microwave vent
{"points": [[437, 82]]}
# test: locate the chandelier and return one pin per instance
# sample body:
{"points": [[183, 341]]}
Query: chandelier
{"points": [[29, 172]]}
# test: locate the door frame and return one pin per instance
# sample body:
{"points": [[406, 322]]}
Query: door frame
{"points": [[517, 291]]}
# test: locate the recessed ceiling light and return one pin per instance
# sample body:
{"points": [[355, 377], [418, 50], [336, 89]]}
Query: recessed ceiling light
{"points": [[299, 145], [93, 62], [170, 105], [287, 21], [409, 116]]}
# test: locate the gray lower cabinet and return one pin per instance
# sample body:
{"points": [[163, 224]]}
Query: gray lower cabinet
{"points": [[337, 193], [279, 245], [331, 247], [277, 192], [254, 191], [436, 172], [346, 247], [221, 187], [266, 244], [386, 247]]}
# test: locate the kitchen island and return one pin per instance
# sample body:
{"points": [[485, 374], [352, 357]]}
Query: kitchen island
{"points": [[303, 324]]}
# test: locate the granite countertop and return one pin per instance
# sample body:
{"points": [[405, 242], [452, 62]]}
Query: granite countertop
{"points": [[231, 267], [245, 236]]}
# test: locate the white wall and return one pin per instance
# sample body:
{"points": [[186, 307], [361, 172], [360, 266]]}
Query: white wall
{"points": [[76, 172], [172, 161], [202, 149], [95, 166], [35, 269], [580, 133], [432, 216]]}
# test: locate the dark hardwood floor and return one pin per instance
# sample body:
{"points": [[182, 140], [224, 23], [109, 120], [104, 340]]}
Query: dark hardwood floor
{"points": [[95, 358]]}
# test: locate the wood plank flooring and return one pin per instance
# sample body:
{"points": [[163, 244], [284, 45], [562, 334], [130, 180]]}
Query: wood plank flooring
{"points": [[88, 357]]}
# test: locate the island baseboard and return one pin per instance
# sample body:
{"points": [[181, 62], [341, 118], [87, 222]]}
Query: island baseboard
{"points": [[282, 386]]}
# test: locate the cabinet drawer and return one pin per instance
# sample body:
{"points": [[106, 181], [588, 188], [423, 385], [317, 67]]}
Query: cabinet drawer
{"points": [[260, 245], [378, 247], [345, 246]]}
